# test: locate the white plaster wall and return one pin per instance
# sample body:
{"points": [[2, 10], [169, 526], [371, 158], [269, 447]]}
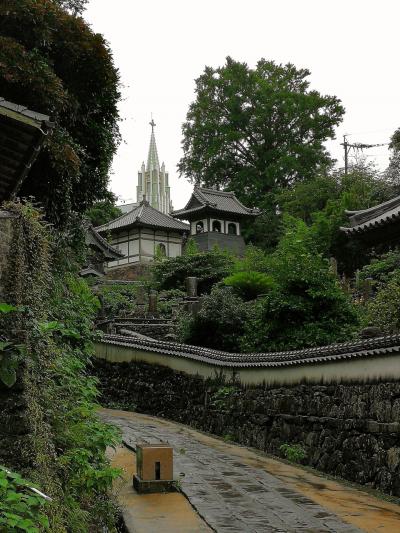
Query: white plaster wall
{"points": [[134, 246], [147, 247], [175, 250], [380, 367]]}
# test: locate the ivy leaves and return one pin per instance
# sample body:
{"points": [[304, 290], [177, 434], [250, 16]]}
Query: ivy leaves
{"points": [[20, 506], [10, 353]]}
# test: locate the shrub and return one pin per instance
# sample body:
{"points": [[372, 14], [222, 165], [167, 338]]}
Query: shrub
{"points": [[219, 324], [306, 307], [168, 300], [208, 267], [249, 285], [384, 310], [382, 268], [293, 452], [21, 508], [120, 300]]}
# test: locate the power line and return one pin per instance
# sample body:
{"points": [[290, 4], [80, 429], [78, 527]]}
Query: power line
{"points": [[356, 147]]}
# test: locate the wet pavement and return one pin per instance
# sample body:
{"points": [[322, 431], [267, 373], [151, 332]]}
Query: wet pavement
{"points": [[235, 489], [169, 512]]}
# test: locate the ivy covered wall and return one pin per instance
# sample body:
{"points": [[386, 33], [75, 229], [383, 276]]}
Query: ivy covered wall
{"points": [[49, 430]]}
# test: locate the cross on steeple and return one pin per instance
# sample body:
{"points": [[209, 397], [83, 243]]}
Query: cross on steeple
{"points": [[152, 124]]}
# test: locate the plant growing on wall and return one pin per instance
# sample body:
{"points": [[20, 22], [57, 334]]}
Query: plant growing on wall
{"points": [[10, 352], [21, 507], [293, 452]]}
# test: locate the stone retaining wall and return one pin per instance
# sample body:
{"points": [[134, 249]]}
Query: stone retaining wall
{"points": [[348, 430]]}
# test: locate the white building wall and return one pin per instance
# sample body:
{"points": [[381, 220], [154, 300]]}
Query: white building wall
{"points": [[141, 246]]}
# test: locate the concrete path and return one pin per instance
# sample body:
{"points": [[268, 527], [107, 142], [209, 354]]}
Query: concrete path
{"points": [[152, 513], [235, 489]]}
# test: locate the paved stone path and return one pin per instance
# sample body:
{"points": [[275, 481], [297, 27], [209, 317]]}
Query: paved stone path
{"points": [[233, 491]]}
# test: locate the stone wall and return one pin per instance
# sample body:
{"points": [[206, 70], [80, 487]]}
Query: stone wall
{"points": [[348, 430], [131, 272]]}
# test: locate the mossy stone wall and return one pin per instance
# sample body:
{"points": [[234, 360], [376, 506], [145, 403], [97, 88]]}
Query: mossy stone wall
{"points": [[349, 430]]}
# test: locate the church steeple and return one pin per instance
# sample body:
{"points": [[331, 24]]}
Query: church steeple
{"points": [[152, 158], [153, 179]]}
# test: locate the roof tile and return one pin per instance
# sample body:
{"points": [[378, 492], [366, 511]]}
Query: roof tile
{"points": [[144, 215]]}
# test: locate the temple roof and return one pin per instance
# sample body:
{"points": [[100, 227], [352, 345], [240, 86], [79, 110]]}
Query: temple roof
{"points": [[373, 218], [147, 216], [360, 349], [21, 135], [93, 238], [203, 199]]}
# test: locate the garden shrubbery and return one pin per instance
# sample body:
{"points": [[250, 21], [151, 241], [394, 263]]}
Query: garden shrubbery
{"points": [[293, 301], [249, 285], [209, 267], [219, 324]]}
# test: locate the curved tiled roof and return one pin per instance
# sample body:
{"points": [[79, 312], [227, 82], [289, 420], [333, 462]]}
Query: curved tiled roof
{"points": [[144, 215], [22, 133], [93, 237], [224, 201], [335, 352], [374, 217]]}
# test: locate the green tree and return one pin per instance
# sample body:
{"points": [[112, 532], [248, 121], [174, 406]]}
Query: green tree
{"points": [[308, 197], [384, 310], [52, 62], [392, 173], [256, 131], [103, 211], [76, 7], [307, 306], [322, 203], [209, 267], [219, 323]]}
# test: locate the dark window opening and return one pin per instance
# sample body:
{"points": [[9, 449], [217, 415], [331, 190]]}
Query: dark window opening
{"points": [[199, 227], [216, 226], [232, 230], [157, 470]]}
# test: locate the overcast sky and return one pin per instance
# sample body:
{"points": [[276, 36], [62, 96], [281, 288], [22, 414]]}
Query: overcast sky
{"points": [[351, 48]]}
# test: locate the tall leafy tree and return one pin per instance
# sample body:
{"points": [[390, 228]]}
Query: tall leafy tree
{"points": [[256, 131], [393, 171], [52, 62]]}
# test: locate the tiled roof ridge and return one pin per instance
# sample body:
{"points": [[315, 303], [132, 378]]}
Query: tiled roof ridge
{"points": [[141, 215], [104, 242], [103, 227], [388, 203], [348, 350]]}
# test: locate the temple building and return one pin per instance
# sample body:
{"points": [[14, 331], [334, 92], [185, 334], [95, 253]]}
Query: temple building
{"points": [[215, 219], [153, 184], [143, 233], [377, 225]]}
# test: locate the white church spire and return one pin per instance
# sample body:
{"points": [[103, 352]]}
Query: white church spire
{"points": [[153, 179], [152, 158]]}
